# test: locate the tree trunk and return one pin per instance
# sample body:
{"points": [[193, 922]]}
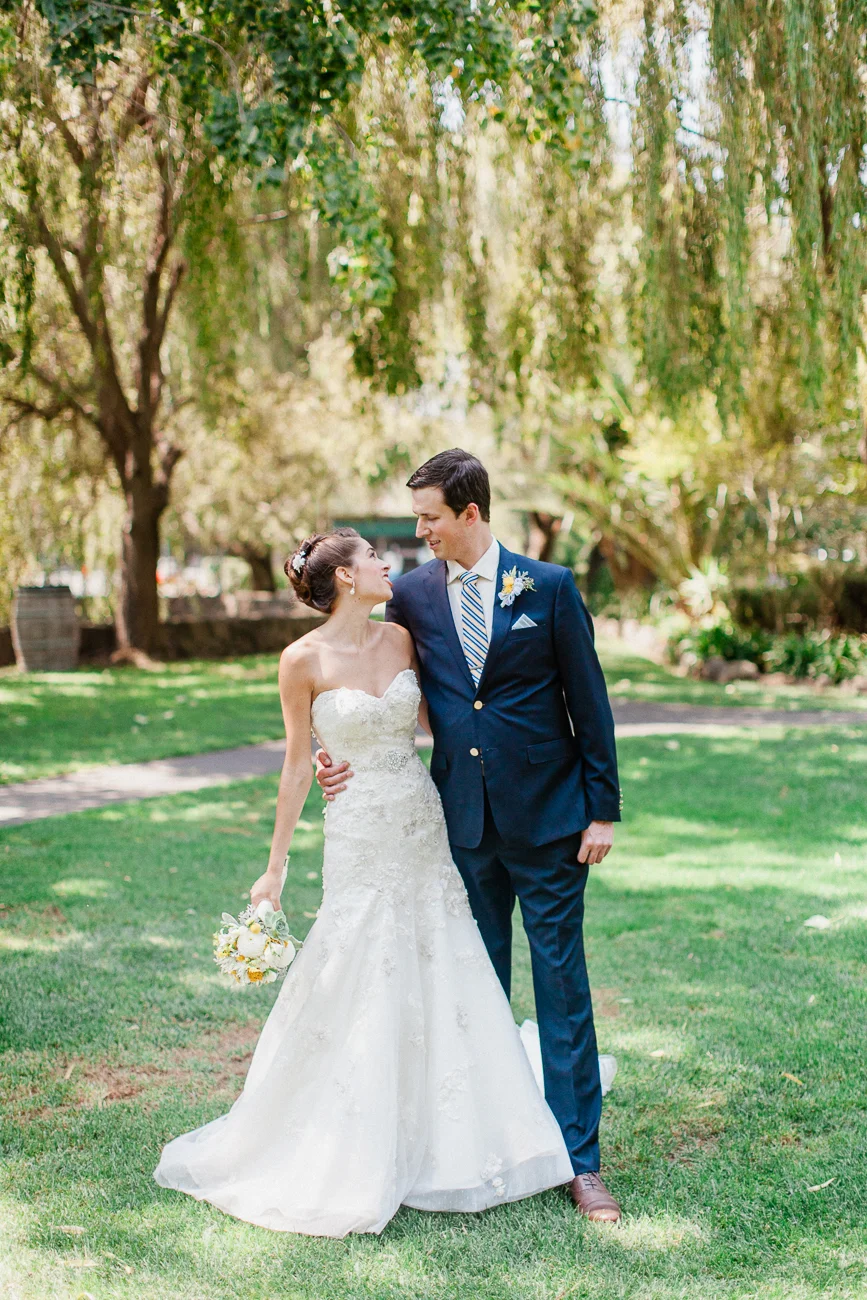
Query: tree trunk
{"points": [[260, 568], [544, 530], [628, 573], [138, 616]]}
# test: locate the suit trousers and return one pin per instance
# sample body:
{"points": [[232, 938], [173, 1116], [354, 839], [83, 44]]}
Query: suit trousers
{"points": [[548, 882]]}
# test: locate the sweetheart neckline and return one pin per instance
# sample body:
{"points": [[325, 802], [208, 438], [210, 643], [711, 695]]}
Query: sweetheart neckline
{"points": [[357, 690]]}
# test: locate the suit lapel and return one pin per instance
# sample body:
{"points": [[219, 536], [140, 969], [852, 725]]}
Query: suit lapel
{"points": [[445, 621], [502, 620]]}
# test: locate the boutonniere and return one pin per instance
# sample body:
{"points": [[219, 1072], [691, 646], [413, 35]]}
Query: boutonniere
{"points": [[513, 584]]}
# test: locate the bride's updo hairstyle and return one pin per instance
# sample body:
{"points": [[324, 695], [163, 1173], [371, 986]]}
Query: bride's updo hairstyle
{"points": [[312, 567]]}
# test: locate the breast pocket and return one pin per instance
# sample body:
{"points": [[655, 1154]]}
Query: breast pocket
{"points": [[539, 629]]}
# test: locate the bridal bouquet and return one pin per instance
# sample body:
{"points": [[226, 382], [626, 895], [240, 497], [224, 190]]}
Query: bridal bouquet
{"points": [[256, 947]]}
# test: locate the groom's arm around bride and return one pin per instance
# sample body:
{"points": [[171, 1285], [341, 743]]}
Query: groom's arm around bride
{"points": [[525, 764]]}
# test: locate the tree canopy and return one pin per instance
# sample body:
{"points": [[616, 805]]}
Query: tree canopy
{"points": [[625, 245]]}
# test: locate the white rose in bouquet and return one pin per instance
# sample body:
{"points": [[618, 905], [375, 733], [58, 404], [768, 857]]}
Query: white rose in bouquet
{"points": [[251, 943], [282, 956]]}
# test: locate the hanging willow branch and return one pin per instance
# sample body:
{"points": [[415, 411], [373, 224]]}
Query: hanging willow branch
{"points": [[771, 217]]}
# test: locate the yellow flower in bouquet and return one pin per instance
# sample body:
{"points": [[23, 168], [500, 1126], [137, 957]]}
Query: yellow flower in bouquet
{"points": [[255, 947]]}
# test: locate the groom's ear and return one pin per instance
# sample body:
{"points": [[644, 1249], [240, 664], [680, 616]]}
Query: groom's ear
{"points": [[471, 513]]}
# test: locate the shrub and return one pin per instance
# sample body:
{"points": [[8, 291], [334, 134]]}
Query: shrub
{"points": [[806, 655], [826, 596], [722, 641], [818, 654]]}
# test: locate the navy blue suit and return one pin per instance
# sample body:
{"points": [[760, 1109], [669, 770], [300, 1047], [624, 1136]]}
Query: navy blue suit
{"points": [[523, 764]]}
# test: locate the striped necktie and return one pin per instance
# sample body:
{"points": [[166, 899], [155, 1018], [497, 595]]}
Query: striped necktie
{"points": [[473, 618]]}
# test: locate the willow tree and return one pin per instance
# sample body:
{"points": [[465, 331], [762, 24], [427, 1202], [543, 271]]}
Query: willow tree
{"points": [[194, 96], [749, 124]]}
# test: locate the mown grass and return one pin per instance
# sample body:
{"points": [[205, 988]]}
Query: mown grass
{"points": [[632, 677], [739, 1035], [59, 722]]}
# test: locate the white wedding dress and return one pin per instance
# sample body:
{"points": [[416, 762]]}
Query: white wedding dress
{"points": [[390, 1070]]}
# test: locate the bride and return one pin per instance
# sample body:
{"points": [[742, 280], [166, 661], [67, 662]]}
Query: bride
{"points": [[390, 1071]]}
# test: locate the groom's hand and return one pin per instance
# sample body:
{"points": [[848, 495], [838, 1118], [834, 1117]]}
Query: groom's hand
{"points": [[332, 777], [596, 842]]}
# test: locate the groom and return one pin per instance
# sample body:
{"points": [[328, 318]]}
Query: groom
{"points": [[525, 764]]}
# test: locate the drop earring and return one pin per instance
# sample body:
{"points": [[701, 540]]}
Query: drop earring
{"points": [[352, 588]]}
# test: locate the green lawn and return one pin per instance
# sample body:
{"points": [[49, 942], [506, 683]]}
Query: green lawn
{"points": [[632, 677], [739, 1033], [58, 722]]}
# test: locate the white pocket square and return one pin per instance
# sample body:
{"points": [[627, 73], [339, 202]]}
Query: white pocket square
{"points": [[523, 621]]}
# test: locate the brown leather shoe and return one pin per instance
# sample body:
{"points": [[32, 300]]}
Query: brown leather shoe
{"points": [[593, 1199]]}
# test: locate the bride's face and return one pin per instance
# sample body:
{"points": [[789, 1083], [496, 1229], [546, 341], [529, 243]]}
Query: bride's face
{"points": [[370, 574]]}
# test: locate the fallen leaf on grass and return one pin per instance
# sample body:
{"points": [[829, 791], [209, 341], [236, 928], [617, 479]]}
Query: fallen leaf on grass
{"points": [[659, 1052], [82, 1263], [817, 923], [127, 1268], [793, 1077], [820, 1187], [67, 1073], [72, 1228]]}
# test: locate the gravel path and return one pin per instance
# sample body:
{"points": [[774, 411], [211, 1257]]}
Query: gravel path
{"points": [[121, 782]]}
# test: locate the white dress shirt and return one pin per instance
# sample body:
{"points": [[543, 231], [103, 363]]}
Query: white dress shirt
{"points": [[487, 568]]}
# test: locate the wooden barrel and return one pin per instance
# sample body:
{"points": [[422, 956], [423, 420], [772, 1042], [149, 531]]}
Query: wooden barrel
{"points": [[45, 630]]}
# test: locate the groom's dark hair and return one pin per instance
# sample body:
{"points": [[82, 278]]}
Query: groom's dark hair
{"points": [[460, 477]]}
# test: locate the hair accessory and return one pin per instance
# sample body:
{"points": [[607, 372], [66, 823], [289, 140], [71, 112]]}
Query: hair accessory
{"points": [[299, 560]]}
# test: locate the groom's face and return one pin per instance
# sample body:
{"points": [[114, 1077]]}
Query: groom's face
{"points": [[443, 530]]}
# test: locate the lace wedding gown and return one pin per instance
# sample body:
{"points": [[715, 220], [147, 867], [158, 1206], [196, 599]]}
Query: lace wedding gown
{"points": [[390, 1070]]}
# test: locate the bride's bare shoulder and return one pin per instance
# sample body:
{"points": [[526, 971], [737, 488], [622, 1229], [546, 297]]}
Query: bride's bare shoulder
{"points": [[397, 636], [299, 662]]}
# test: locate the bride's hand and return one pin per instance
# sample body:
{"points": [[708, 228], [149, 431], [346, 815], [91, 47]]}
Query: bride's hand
{"points": [[268, 886]]}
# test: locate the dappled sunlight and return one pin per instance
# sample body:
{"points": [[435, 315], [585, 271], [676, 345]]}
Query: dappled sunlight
{"points": [[737, 1089], [75, 720], [631, 676], [17, 1260], [81, 887], [681, 872], [195, 813], [23, 698], [40, 943], [662, 1232], [394, 1265], [647, 1043]]}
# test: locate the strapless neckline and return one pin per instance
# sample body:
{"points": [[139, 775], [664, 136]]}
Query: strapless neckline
{"points": [[356, 690]]}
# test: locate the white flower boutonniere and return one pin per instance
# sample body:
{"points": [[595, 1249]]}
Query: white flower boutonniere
{"points": [[513, 584]]}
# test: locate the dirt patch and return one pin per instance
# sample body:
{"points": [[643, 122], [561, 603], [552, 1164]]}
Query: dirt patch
{"points": [[694, 1139], [605, 1002], [50, 915], [216, 1064]]}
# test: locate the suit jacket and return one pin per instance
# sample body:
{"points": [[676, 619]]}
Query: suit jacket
{"points": [[537, 733]]}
